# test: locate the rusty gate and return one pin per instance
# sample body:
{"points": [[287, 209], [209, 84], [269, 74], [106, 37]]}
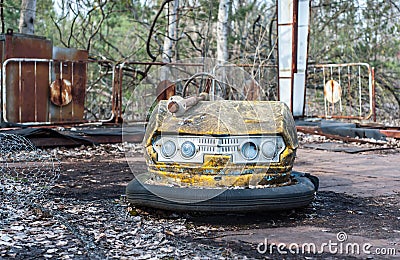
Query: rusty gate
{"points": [[340, 91]]}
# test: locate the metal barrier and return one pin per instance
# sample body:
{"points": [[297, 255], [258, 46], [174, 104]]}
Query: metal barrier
{"points": [[47, 91], [340, 91]]}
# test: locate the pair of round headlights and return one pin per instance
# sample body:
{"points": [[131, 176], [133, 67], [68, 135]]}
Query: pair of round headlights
{"points": [[250, 150], [168, 149]]}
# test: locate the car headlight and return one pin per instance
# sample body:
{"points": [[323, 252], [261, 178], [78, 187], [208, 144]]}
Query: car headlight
{"points": [[168, 149], [249, 150], [188, 149], [268, 149]]}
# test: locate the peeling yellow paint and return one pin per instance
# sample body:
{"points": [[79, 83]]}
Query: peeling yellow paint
{"points": [[214, 181], [239, 118]]}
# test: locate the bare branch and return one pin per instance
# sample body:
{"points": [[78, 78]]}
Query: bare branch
{"points": [[152, 29], [59, 31], [99, 26]]}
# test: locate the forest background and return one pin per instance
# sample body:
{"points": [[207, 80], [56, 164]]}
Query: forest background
{"points": [[238, 31]]}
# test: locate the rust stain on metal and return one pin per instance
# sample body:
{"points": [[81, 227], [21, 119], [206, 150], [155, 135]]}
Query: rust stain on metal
{"points": [[346, 96], [391, 133], [318, 131], [70, 65], [61, 92], [27, 83], [117, 93], [332, 91], [165, 90]]}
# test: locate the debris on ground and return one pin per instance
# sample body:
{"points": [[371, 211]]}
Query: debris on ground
{"points": [[85, 215]]}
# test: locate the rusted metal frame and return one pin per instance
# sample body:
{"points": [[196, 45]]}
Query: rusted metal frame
{"points": [[196, 64], [294, 48], [317, 131], [112, 65], [35, 84], [117, 92], [359, 92], [325, 103], [48, 101], [72, 83], [61, 78], [20, 91], [373, 94], [391, 133], [35, 61], [113, 95], [116, 106], [371, 83], [4, 80], [163, 63], [370, 86], [119, 118]]}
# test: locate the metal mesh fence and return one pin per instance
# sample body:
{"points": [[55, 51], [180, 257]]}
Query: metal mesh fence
{"points": [[26, 173]]}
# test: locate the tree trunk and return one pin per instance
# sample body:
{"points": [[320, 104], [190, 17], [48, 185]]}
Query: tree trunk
{"points": [[171, 36], [27, 18], [222, 30]]}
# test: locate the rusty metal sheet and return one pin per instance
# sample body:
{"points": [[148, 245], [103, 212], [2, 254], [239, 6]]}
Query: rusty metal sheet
{"points": [[69, 64], [27, 83], [338, 147], [391, 133], [50, 137]]}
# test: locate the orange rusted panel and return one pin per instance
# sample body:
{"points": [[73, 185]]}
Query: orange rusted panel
{"points": [[70, 65], [27, 83]]}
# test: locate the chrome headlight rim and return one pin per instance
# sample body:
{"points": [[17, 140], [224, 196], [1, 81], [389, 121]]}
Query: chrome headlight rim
{"points": [[193, 147], [165, 153], [242, 150], [273, 147]]}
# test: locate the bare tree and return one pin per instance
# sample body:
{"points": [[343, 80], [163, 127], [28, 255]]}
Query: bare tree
{"points": [[27, 18], [222, 30], [171, 36]]}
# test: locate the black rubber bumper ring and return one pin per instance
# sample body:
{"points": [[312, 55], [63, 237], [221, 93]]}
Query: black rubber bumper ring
{"points": [[230, 200]]}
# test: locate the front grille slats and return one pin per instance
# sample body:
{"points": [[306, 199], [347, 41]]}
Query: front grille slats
{"points": [[222, 145]]}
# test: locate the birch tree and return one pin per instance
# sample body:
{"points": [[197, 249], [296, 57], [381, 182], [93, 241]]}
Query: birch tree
{"points": [[27, 17], [222, 30], [171, 35]]}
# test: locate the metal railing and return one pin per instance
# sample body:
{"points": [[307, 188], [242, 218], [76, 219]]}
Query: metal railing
{"points": [[105, 91], [340, 91], [26, 83]]}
